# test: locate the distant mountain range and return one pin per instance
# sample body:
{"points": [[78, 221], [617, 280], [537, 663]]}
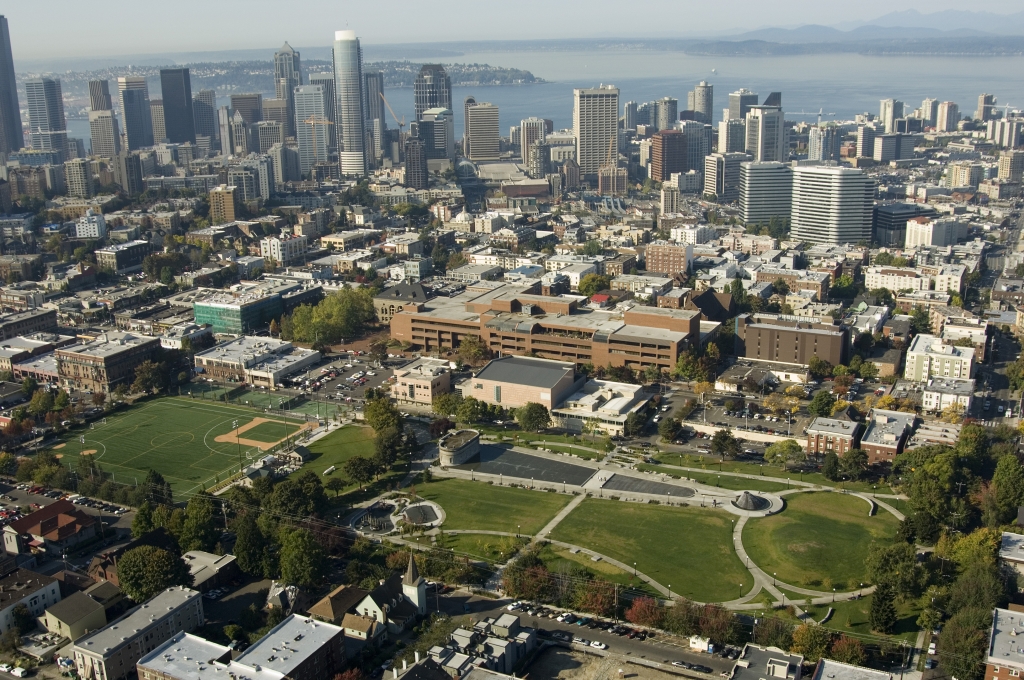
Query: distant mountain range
{"points": [[950, 19]]}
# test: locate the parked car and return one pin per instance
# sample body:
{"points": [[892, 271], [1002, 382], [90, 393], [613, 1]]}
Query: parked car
{"points": [[597, 644]]}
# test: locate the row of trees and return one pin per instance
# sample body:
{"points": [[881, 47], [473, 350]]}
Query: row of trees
{"points": [[342, 314]]}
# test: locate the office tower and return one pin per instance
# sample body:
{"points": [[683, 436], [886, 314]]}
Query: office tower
{"points": [[47, 129], [930, 112], [432, 89], [99, 96], [889, 222], [287, 76], [267, 133], [223, 200], [1011, 166], [204, 110], [740, 102], [866, 141], [766, 134], [106, 138], [595, 118], [348, 88], [128, 173], [611, 180], [11, 134], [889, 111], [537, 159], [629, 116], [416, 176], [468, 103], [773, 99], [158, 121], [948, 117], [246, 182], [133, 94], [179, 120], [964, 174], [326, 81], [263, 167], [483, 137], [1006, 133], [823, 143], [986, 107], [277, 111], [436, 129], [286, 164], [78, 175], [766, 191], [701, 101], [530, 131], [238, 133], [312, 125], [666, 113], [699, 140], [249, 105], [831, 205], [668, 154], [224, 130], [892, 147], [722, 175], [732, 136], [376, 120], [644, 113], [670, 199]]}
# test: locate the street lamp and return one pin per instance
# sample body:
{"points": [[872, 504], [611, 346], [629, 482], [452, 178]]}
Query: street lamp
{"points": [[238, 443], [833, 595], [634, 569], [773, 578]]}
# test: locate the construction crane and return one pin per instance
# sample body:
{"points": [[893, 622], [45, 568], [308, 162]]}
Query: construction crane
{"points": [[401, 123], [314, 121], [819, 113], [610, 164]]}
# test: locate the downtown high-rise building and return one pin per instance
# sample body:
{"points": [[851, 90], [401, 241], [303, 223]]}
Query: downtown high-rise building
{"points": [[948, 117], [287, 77], [204, 110], [157, 121], [12, 136], [701, 100], [889, 110], [416, 173], [312, 125], [376, 120], [483, 136], [326, 81], [530, 130], [929, 112], [468, 103], [133, 97], [99, 96], [831, 205], [348, 88], [823, 143], [866, 140], [740, 102], [732, 136], [106, 138], [722, 175], [666, 113], [629, 116], [176, 86], [595, 118], [432, 89], [986, 107], [765, 192], [47, 129], [249, 105], [766, 134], [668, 154], [699, 140]]}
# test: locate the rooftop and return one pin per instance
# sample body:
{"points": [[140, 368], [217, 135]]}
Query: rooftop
{"points": [[1004, 649], [123, 630], [957, 386], [759, 663], [1012, 547], [886, 428], [832, 426], [834, 670], [187, 657], [21, 583], [109, 344], [424, 366], [246, 350], [289, 644], [527, 371], [74, 607]]}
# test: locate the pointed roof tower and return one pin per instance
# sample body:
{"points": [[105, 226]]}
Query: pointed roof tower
{"points": [[412, 574]]}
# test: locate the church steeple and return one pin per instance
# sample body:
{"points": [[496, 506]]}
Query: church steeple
{"points": [[414, 588], [412, 574]]}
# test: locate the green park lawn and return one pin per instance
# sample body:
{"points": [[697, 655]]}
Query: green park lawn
{"points": [[819, 541], [554, 557], [851, 616], [487, 547], [486, 507], [271, 433], [338, 447], [687, 548]]}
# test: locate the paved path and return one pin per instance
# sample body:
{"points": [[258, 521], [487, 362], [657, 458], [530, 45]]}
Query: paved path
{"points": [[562, 514]]}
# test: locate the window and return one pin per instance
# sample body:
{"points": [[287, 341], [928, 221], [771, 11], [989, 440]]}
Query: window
{"points": [[497, 394]]}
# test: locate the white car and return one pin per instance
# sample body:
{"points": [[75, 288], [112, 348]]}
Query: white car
{"points": [[597, 644], [656, 418]]}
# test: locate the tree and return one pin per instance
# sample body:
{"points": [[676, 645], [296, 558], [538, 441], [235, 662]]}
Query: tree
{"points": [[668, 428], [148, 377], [962, 644], [143, 522], [28, 386], [470, 411], [830, 468], [472, 349], [847, 650], [782, 452], [250, 545], [592, 284], [812, 641], [381, 414], [882, 615], [954, 413], [63, 400], [41, 403], [198, 531], [774, 632], [341, 314], [335, 484], [146, 571], [635, 424], [724, 444], [360, 469], [819, 368], [23, 620], [158, 490], [821, 404], [644, 612], [854, 462], [1008, 483], [446, 403], [895, 564], [533, 417], [593, 247], [303, 559]]}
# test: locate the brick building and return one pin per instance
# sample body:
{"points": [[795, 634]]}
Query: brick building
{"points": [[106, 362], [790, 339], [825, 435], [886, 434], [668, 258]]}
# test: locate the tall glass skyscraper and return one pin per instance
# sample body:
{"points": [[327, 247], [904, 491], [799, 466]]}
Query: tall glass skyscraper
{"points": [[348, 79], [11, 136], [287, 77], [47, 128], [178, 117], [312, 126], [135, 111], [326, 81], [204, 111], [432, 89]]}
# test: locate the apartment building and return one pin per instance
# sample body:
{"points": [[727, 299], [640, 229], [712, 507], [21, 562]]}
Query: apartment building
{"points": [[895, 279], [422, 380], [928, 357], [832, 435], [791, 339], [669, 258], [106, 362], [797, 279], [885, 435]]}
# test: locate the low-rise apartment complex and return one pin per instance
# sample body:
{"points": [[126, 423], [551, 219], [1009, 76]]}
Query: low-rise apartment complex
{"points": [[106, 362]]}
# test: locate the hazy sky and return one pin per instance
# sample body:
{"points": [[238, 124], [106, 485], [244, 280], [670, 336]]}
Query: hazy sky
{"points": [[62, 28]]}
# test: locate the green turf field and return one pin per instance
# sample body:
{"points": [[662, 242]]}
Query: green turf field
{"points": [[687, 548], [174, 436], [477, 505], [819, 541], [271, 432]]}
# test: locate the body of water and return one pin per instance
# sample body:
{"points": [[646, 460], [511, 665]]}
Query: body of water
{"points": [[842, 84]]}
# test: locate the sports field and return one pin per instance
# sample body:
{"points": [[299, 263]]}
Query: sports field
{"points": [[188, 441]]}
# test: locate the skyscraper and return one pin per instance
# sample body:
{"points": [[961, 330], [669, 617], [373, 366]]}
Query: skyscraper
{"points": [[666, 113], [832, 205], [467, 104], [530, 130], [99, 96], [432, 89], [823, 143], [133, 94], [326, 81], [866, 141], [437, 131], [701, 101], [766, 191], [106, 139], [668, 154], [158, 121], [287, 77], [766, 134], [376, 122], [722, 175], [986, 107], [204, 110], [176, 87], [629, 116], [483, 137], [250, 105], [888, 111], [948, 117], [348, 88], [416, 176], [595, 118], [11, 135], [312, 126], [47, 129], [699, 137], [732, 135], [930, 111], [740, 102]]}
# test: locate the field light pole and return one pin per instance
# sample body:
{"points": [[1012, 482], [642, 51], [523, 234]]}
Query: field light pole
{"points": [[238, 443]]}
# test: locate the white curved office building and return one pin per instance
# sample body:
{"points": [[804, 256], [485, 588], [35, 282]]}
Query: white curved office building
{"points": [[831, 205], [348, 80]]}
